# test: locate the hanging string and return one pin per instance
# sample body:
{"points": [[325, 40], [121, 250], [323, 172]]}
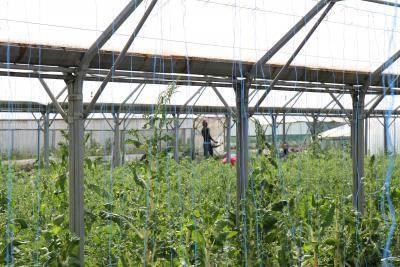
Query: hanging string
{"points": [[9, 231], [390, 81]]}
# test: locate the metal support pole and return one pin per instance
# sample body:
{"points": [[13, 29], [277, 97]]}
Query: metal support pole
{"points": [[183, 137], [366, 137], [12, 144], [39, 129], [123, 147], [314, 127], [394, 137], [242, 139], [357, 149], [228, 137], [53, 140], [176, 143], [273, 125], [46, 135], [116, 157], [284, 129], [192, 140], [76, 156], [385, 134]]}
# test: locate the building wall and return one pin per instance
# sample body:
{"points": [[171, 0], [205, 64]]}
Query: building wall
{"points": [[24, 139], [376, 136]]}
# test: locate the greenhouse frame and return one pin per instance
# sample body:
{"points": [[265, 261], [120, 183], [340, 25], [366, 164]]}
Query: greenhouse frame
{"points": [[251, 84]]}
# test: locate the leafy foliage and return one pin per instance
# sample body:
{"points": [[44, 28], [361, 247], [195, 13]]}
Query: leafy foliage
{"points": [[298, 213], [158, 212]]}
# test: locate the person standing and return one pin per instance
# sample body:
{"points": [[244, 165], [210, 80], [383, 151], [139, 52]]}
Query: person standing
{"points": [[205, 132], [285, 148]]}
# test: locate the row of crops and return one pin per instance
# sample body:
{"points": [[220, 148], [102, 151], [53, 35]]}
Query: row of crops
{"points": [[158, 212]]}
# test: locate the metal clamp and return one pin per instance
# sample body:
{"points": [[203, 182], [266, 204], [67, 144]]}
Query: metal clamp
{"points": [[75, 97]]}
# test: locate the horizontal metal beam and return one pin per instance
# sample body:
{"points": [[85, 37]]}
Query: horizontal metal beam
{"points": [[26, 106], [147, 63], [289, 86], [37, 68], [195, 80], [189, 79]]}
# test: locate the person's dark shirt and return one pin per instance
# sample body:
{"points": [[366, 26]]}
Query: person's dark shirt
{"points": [[205, 132]]}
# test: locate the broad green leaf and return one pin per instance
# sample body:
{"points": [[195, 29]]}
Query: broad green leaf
{"points": [[21, 222], [231, 234], [278, 206], [58, 220], [197, 237]]}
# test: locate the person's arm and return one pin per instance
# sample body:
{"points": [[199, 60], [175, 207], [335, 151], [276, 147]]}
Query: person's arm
{"points": [[209, 135], [213, 140]]}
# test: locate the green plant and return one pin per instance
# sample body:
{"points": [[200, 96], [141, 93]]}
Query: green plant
{"points": [[158, 212]]}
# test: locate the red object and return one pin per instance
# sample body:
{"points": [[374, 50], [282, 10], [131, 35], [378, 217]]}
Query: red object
{"points": [[233, 160]]}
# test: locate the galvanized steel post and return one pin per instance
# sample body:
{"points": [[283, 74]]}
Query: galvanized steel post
{"points": [[242, 140], [46, 133], [192, 141], [273, 131], [314, 130], [366, 137], [176, 142], [284, 128], [357, 149], [228, 118], [116, 156], [76, 157], [385, 134], [123, 132]]}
